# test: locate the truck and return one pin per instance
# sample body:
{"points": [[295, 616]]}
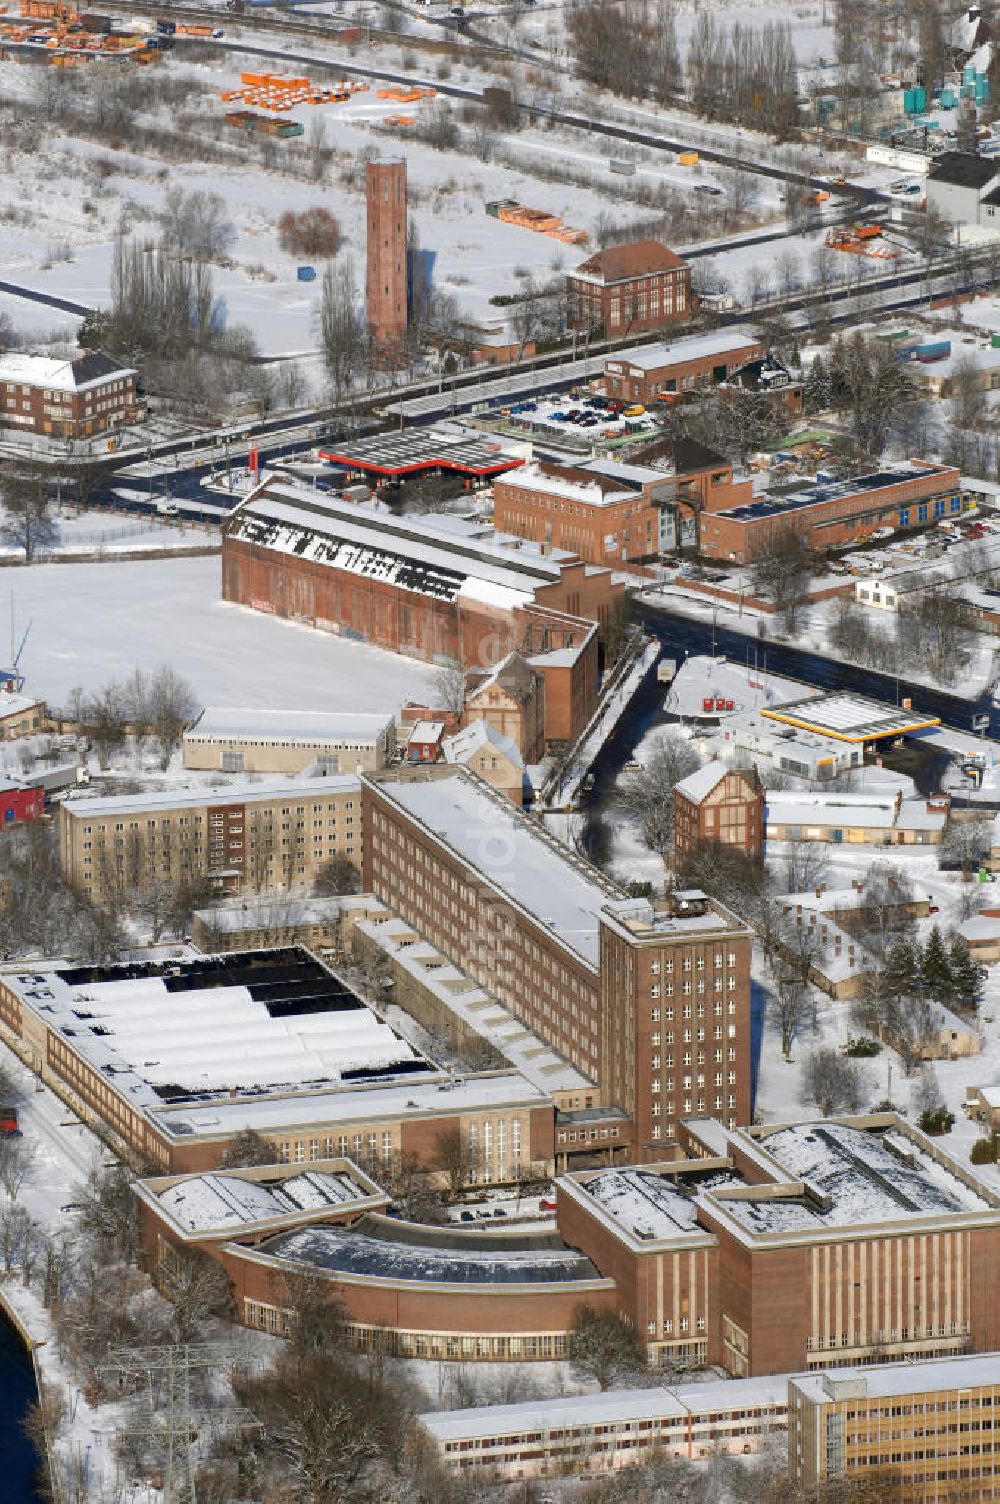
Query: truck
{"points": [[165, 28], [8, 1123]]}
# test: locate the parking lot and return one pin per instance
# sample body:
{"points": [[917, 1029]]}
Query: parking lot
{"points": [[593, 416]]}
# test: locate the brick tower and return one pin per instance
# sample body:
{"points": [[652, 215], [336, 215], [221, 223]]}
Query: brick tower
{"points": [[385, 184]]}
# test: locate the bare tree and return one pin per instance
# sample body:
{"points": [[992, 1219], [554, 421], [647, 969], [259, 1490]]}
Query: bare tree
{"points": [[342, 339], [336, 877], [649, 793], [107, 1212], [28, 522], [106, 717], [17, 1155], [782, 570], [450, 688], [833, 1081], [791, 1006], [174, 705], [456, 1157], [197, 1287]]}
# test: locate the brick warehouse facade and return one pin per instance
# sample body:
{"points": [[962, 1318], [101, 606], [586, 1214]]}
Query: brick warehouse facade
{"points": [[652, 1002], [652, 371], [791, 1247], [461, 594], [722, 804], [422, 1293], [379, 1119], [385, 286], [905, 495]]}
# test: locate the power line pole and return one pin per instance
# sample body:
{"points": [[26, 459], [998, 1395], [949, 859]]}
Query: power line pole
{"points": [[161, 1379]]}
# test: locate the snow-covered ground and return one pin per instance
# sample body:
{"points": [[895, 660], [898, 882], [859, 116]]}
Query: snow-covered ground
{"points": [[95, 622]]}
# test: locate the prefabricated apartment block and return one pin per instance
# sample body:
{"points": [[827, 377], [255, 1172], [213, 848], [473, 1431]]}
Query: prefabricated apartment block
{"points": [[249, 836]]}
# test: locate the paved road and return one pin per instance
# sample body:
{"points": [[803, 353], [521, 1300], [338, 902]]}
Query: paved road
{"points": [[45, 298]]}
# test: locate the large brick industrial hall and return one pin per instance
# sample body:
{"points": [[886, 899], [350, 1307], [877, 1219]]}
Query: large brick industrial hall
{"points": [[432, 587]]}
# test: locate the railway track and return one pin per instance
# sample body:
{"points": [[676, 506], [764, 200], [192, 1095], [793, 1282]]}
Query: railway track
{"points": [[634, 135]]}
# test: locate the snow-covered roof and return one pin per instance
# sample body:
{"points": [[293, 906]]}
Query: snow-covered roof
{"points": [[478, 1009], [891, 1380], [681, 1401], [695, 347], [405, 1098], [284, 912], [252, 1022], [539, 874], [85, 807], [583, 493], [652, 1206], [427, 732], [354, 1252], [856, 1176], [980, 927], [428, 555], [203, 1202], [16, 704], [82, 373], [232, 723], [699, 784], [478, 734]]}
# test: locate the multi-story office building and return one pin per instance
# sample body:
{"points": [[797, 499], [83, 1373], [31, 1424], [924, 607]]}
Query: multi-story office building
{"points": [[652, 1001], [248, 836]]}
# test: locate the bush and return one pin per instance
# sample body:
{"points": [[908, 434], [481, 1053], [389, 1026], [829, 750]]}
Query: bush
{"points": [[936, 1120], [984, 1152], [314, 232], [862, 1048]]}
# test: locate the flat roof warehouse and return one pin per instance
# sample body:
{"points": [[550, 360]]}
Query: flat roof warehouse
{"points": [[242, 1022]]}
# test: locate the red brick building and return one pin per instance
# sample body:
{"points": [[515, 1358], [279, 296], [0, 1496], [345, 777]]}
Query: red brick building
{"points": [[612, 513], [796, 1246], [199, 1022], [69, 399], [669, 371], [652, 1001], [628, 289], [19, 801], [784, 1248], [510, 697], [460, 592], [413, 1290], [904, 495], [722, 804], [385, 286]]}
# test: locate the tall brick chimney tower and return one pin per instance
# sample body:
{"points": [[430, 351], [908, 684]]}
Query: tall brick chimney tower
{"points": [[385, 184]]}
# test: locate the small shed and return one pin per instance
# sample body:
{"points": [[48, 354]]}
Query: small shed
{"points": [[424, 742]]}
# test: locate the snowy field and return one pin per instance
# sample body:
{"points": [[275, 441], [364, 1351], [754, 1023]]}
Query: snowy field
{"points": [[95, 622]]}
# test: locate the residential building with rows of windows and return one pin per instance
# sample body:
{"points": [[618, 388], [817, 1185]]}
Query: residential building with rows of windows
{"points": [[931, 1427], [651, 1001], [68, 399], [245, 837]]}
